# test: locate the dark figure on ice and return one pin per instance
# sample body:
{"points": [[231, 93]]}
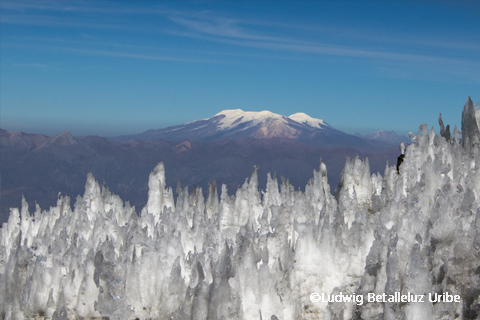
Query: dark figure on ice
{"points": [[399, 162]]}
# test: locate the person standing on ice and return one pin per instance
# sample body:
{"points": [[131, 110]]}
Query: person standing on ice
{"points": [[400, 157]]}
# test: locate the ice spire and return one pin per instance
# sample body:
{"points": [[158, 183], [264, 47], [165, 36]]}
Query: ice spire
{"points": [[158, 196], [444, 132], [470, 131]]}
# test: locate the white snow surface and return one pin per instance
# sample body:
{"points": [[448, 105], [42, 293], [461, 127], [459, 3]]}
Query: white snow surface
{"points": [[301, 117], [259, 254], [237, 116]]}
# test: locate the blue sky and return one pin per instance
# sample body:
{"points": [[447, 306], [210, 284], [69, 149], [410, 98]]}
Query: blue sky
{"points": [[118, 67]]}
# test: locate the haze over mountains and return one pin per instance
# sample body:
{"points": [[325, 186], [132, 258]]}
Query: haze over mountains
{"points": [[386, 136], [225, 148]]}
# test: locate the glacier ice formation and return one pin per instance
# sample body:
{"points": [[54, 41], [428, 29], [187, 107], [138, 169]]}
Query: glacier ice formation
{"points": [[260, 254]]}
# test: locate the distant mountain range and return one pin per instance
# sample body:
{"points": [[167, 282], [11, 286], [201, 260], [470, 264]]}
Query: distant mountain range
{"points": [[237, 123], [224, 148], [386, 136]]}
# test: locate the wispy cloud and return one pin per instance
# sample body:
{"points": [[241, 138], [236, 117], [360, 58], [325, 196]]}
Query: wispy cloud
{"points": [[232, 30], [30, 65], [228, 31], [45, 20], [56, 6], [217, 25], [414, 52], [111, 51]]}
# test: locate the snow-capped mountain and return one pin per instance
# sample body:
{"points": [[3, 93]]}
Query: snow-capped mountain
{"points": [[238, 123], [233, 118], [229, 124], [301, 117]]}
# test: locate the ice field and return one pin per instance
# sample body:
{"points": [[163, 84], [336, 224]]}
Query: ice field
{"points": [[260, 254]]}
